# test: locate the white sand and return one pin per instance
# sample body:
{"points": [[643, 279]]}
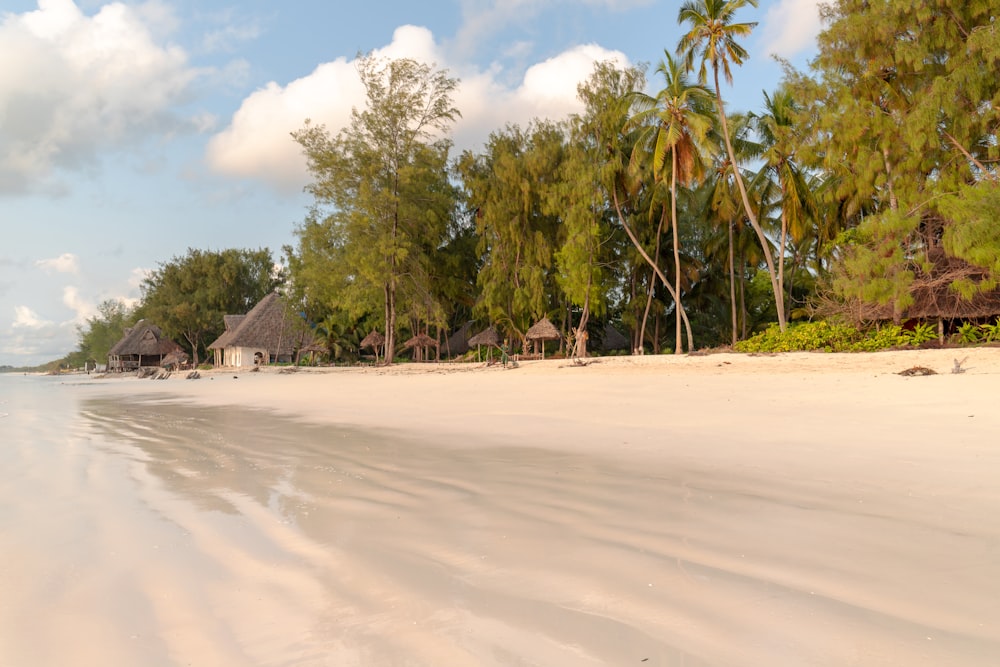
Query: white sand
{"points": [[799, 509]]}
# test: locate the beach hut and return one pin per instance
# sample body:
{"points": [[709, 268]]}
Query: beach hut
{"points": [[934, 300], [269, 333], [374, 340], [419, 344], [218, 346], [142, 345], [488, 337], [540, 332], [613, 339], [457, 343]]}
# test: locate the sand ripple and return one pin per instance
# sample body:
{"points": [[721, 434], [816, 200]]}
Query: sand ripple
{"points": [[173, 535]]}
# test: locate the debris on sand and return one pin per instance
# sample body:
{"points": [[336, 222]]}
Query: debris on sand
{"points": [[917, 371]]}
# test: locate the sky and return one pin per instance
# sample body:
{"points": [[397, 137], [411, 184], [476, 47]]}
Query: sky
{"points": [[132, 131]]}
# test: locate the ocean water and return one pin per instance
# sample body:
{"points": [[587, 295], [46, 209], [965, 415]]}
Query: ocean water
{"points": [[149, 532]]}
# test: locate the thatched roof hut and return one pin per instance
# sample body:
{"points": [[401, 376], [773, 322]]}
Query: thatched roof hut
{"points": [[218, 346], [934, 298], [142, 345], [613, 339], [540, 332], [268, 333], [458, 343]]}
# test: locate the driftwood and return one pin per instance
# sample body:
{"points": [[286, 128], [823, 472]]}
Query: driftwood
{"points": [[917, 371]]}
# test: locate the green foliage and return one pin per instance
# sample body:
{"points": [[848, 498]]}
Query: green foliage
{"points": [[969, 333], [922, 332], [991, 332], [875, 266], [973, 233], [519, 230], [383, 198], [823, 336], [100, 332], [188, 296]]}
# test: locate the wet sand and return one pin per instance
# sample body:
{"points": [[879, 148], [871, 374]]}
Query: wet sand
{"points": [[719, 510]]}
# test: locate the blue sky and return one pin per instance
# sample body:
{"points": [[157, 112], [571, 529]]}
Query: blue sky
{"points": [[131, 131]]}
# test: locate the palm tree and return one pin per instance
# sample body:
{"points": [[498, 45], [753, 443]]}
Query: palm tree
{"points": [[724, 208], [775, 128], [675, 121], [712, 36]]}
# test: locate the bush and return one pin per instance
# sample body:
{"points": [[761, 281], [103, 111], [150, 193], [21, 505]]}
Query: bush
{"points": [[824, 337], [921, 333], [969, 334]]}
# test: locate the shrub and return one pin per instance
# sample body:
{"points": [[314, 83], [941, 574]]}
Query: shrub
{"points": [[825, 337], [921, 333], [991, 332], [969, 333]]}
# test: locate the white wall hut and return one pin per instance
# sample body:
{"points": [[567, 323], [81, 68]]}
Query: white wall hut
{"points": [[269, 333]]}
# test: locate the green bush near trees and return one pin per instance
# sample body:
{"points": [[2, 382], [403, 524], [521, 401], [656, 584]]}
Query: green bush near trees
{"points": [[825, 337]]}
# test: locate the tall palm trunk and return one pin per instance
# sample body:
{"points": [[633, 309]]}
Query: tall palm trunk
{"points": [[652, 264], [779, 302], [732, 281], [677, 251], [652, 285]]}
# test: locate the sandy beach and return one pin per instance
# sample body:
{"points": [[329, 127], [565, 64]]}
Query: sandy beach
{"points": [[794, 509]]}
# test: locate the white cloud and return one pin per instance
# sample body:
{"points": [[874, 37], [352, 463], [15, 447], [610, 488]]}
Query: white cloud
{"points": [[82, 310], [790, 27], [257, 144], [64, 263], [136, 277], [72, 84], [26, 318]]}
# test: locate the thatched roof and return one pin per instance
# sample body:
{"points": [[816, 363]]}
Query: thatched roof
{"points": [[143, 339], [374, 339], [232, 323], [316, 345], [420, 340], [933, 296], [175, 358], [458, 342], [268, 326], [487, 336], [543, 330], [614, 339]]}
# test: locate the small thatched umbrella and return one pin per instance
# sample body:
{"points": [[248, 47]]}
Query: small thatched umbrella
{"points": [[421, 341], [540, 332], [312, 348], [488, 337], [374, 340]]}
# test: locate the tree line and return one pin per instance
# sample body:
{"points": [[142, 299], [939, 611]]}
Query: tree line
{"points": [[686, 225]]}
